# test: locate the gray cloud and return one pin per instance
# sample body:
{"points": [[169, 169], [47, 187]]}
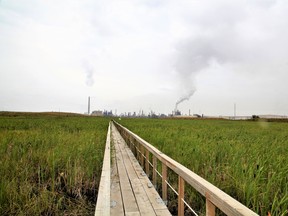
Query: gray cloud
{"points": [[232, 34], [246, 40]]}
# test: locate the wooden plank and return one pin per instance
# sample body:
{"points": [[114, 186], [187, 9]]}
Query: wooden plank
{"points": [[154, 175], [219, 198], [128, 197], [136, 153], [115, 191], [181, 188], [164, 184], [133, 213], [142, 199], [147, 162], [103, 199], [141, 156], [144, 205], [162, 212], [116, 200], [210, 208], [155, 200]]}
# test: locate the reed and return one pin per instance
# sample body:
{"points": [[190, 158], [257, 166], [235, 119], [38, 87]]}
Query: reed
{"points": [[243, 158], [50, 164]]}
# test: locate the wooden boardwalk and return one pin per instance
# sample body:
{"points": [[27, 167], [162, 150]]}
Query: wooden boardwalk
{"points": [[126, 190], [131, 193]]}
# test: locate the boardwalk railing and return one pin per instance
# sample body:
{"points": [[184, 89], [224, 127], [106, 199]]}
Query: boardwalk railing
{"points": [[214, 196], [103, 199]]}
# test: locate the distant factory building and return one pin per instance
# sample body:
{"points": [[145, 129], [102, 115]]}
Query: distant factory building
{"points": [[108, 113], [177, 113], [97, 113]]}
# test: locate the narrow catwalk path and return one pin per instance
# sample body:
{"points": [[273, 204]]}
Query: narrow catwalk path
{"points": [[131, 192]]}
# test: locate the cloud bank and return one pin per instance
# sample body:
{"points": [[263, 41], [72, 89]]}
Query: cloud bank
{"points": [[232, 51]]}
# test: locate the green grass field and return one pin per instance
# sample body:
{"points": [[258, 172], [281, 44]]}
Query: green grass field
{"points": [[50, 163], [246, 159]]}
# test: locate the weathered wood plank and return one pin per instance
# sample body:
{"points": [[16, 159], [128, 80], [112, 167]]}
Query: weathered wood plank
{"points": [[164, 184], [144, 205], [154, 174], [152, 194], [143, 201], [181, 189], [130, 186], [115, 191], [133, 213], [138, 185], [129, 200], [103, 199], [141, 155], [162, 212], [147, 162], [210, 208]]}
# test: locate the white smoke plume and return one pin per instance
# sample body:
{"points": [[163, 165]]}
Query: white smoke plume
{"points": [[185, 97], [193, 56], [219, 43], [89, 71]]}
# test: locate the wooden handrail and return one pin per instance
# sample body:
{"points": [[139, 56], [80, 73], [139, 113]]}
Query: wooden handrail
{"points": [[103, 199], [214, 196]]}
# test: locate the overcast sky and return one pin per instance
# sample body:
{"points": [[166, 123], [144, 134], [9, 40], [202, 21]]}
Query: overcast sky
{"points": [[134, 55]]}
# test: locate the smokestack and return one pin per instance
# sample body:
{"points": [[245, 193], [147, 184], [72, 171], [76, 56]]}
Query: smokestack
{"points": [[89, 105]]}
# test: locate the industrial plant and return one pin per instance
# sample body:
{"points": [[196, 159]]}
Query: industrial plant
{"points": [[176, 113]]}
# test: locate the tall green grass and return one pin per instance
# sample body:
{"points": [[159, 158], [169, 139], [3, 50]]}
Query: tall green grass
{"points": [[50, 164], [248, 160]]}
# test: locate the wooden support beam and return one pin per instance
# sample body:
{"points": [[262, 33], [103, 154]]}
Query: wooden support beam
{"points": [[181, 188], [154, 175], [133, 147], [141, 155], [210, 208], [164, 184], [136, 150], [147, 153], [129, 142]]}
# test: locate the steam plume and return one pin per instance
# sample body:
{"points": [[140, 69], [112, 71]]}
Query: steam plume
{"points": [[185, 97], [89, 71], [193, 56]]}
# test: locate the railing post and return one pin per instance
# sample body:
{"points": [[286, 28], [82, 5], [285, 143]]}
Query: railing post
{"points": [[141, 155], [130, 143], [147, 162], [137, 150], [164, 184], [210, 208], [134, 148], [181, 186], [154, 174]]}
